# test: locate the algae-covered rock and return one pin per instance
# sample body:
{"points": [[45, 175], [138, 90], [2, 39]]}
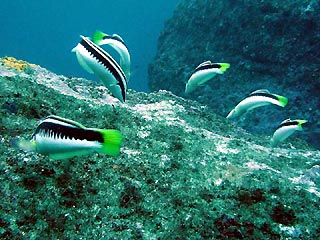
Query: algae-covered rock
{"points": [[182, 172], [270, 45]]}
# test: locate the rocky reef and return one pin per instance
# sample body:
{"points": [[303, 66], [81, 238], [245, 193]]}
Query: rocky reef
{"points": [[270, 45], [183, 170]]}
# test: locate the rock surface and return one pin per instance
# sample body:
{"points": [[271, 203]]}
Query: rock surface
{"points": [[183, 171], [270, 45]]}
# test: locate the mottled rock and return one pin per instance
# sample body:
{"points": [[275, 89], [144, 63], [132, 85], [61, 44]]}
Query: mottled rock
{"points": [[270, 45], [182, 170]]}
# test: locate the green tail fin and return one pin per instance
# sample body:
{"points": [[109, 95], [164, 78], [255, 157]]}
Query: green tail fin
{"points": [[98, 37], [282, 100], [224, 66], [112, 141], [300, 122]]}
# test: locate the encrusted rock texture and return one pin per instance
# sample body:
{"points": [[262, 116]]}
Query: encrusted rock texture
{"points": [[272, 45], [183, 171]]}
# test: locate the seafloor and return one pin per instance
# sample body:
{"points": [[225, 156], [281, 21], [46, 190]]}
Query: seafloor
{"points": [[183, 171]]}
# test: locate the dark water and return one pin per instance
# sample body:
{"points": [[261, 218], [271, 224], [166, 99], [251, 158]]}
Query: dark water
{"points": [[44, 32]]}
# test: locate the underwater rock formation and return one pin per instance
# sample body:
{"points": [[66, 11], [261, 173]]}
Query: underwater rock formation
{"points": [[182, 170], [270, 45]]}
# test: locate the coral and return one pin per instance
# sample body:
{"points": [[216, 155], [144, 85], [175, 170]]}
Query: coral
{"points": [[11, 62]]}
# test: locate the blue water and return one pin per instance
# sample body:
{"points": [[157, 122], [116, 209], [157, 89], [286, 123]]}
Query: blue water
{"points": [[44, 32]]}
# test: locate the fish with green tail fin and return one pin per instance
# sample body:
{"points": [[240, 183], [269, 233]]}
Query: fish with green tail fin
{"points": [[286, 129], [258, 98], [96, 60], [61, 138], [203, 73], [117, 43]]}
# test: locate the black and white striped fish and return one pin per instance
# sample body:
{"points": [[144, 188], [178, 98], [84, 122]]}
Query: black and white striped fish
{"points": [[286, 128], [203, 73], [258, 98], [96, 60], [64, 138], [117, 43]]}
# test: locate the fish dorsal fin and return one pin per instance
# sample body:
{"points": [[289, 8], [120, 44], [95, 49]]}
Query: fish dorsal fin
{"points": [[266, 91], [296, 122], [206, 63], [285, 121], [117, 37], [222, 67], [65, 120], [276, 99], [99, 36]]}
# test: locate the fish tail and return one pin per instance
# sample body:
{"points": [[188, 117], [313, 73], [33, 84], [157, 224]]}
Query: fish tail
{"points": [[282, 100], [224, 66], [112, 141], [28, 146], [300, 122], [98, 37]]}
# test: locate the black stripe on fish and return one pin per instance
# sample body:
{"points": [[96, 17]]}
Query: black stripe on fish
{"points": [[63, 121], [207, 66], [56, 130], [114, 37], [264, 94], [288, 123], [106, 60]]}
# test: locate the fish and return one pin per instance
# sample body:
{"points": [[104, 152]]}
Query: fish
{"points": [[203, 73], [258, 98], [62, 138], [286, 128], [117, 43], [97, 61]]}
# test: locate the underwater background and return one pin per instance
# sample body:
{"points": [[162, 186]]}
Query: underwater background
{"points": [[46, 31], [270, 45], [181, 169]]}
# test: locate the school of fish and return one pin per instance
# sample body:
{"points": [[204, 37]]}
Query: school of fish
{"points": [[262, 97], [61, 138]]}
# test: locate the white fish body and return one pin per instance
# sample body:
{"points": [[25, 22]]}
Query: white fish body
{"points": [[257, 99], [95, 60], [61, 138], [203, 73], [117, 43], [286, 129], [59, 148]]}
